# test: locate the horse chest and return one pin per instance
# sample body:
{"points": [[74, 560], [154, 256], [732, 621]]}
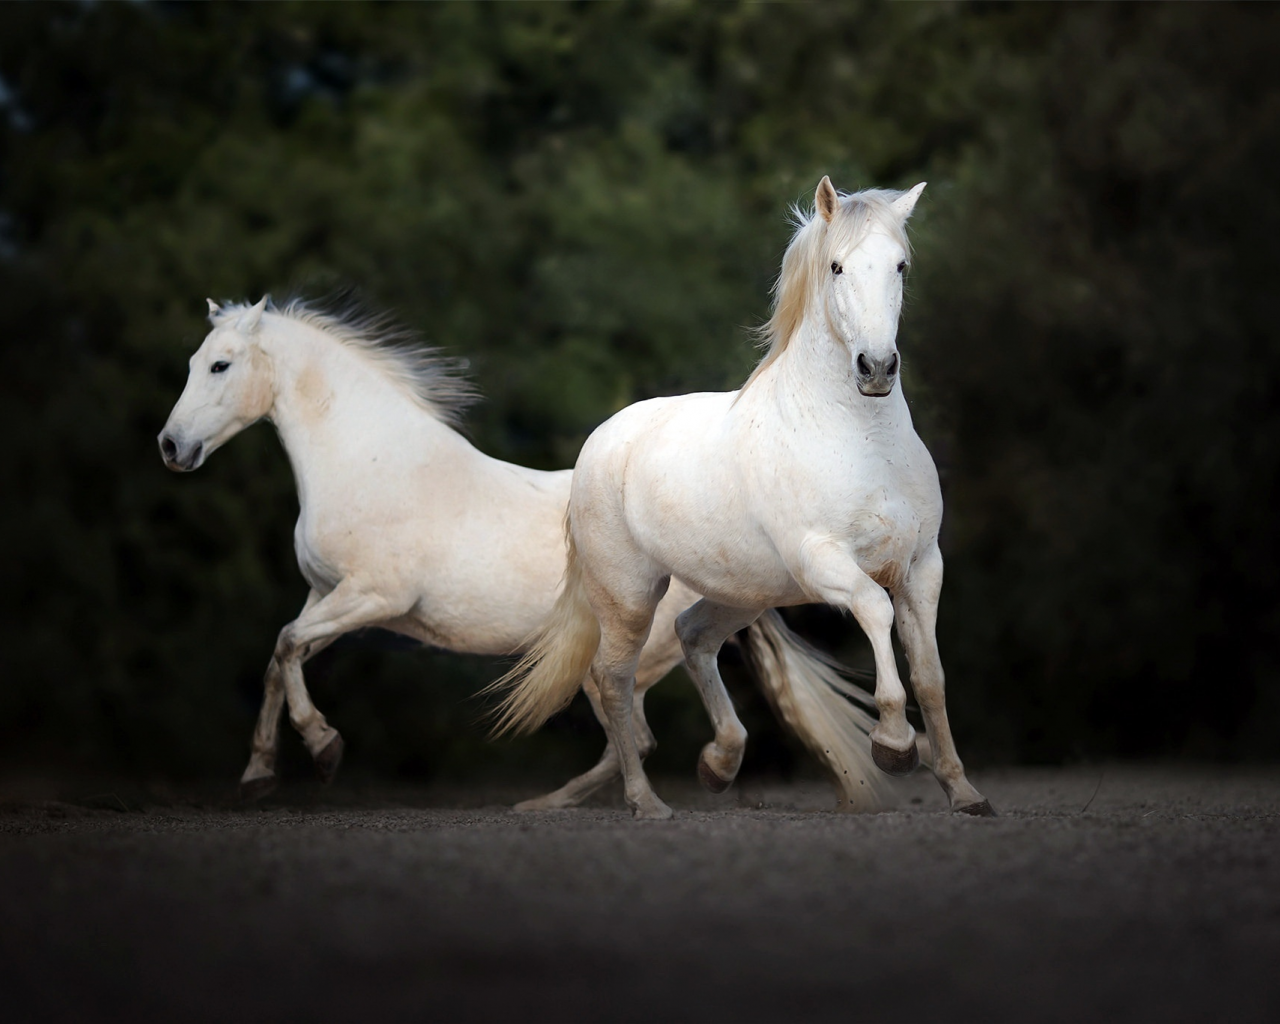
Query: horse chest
{"points": [[882, 528], [319, 572]]}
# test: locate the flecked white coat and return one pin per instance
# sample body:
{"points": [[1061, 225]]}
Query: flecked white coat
{"points": [[405, 525], [808, 485]]}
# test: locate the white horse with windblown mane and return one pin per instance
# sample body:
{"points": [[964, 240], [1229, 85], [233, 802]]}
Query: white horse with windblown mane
{"points": [[808, 485], [404, 525]]}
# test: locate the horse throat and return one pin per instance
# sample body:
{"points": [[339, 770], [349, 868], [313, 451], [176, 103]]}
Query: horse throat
{"points": [[814, 377]]}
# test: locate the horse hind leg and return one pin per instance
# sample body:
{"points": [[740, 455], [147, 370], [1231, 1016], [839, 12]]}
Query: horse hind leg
{"points": [[702, 630], [608, 768], [661, 653], [578, 789], [646, 742], [625, 621]]}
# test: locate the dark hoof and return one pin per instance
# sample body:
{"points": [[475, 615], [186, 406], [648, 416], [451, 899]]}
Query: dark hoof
{"points": [[981, 810], [895, 762], [708, 777], [327, 760], [256, 789]]}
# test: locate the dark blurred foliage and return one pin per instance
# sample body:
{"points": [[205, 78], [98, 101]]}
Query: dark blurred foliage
{"points": [[588, 203]]}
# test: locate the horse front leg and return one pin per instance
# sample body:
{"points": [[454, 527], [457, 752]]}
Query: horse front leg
{"points": [[346, 608], [832, 575], [917, 613], [259, 777]]}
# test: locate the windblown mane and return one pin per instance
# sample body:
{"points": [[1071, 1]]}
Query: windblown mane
{"points": [[808, 257], [434, 382]]}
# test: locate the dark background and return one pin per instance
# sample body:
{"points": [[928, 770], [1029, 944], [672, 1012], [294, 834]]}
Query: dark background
{"points": [[588, 203]]}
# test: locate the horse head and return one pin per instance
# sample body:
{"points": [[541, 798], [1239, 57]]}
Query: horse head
{"points": [[229, 387], [867, 256]]}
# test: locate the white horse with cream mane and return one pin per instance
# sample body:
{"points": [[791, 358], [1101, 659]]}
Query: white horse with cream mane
{"points": [[807, 485], [404, 525]]}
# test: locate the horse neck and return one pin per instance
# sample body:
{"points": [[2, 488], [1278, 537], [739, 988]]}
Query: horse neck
{"points": [[812, 381], [332, 409]]}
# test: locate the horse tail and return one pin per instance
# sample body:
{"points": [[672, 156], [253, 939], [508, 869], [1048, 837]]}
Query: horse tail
{"points": [[556, 660], [821, 707]]}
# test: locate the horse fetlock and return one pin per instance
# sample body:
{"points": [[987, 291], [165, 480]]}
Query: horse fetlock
{"points": [[642, 800], [316, 733], [895, 733], [262, 758]]}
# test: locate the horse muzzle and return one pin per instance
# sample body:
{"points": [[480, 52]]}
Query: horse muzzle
{"points": [[875, 377], [180, 457]]}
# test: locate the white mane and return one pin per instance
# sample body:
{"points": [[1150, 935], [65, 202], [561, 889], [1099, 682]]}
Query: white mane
{"points": [[808, 259], [433, 381]]}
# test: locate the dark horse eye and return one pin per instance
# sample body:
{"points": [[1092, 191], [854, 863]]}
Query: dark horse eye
{"points": [[902, 266], [219, 367], [836, 268]]}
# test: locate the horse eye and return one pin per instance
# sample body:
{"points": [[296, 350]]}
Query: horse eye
{"points": [[219, 367], [902, 267], [836, 268]]}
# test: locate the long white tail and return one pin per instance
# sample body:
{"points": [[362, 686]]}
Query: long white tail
{"points": [[821, 707], [556, 661]]}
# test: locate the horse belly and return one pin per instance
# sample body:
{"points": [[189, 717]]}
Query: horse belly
{"points": [[716, 549]]}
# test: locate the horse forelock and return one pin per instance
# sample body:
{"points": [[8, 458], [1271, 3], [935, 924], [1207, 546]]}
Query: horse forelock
{"points": [[809, 255], [435, 382]]}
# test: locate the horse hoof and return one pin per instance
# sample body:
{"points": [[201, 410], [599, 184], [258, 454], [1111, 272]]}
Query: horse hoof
{"points": [[327, 761], [978, 810], [657, 811], [708, 777], [256, 789], [895, 762]]}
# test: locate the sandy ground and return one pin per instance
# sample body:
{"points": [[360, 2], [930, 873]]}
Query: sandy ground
{"points": [[1159, 902]]}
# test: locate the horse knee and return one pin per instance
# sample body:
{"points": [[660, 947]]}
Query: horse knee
{"points": [[286, 647], [873, 610]]}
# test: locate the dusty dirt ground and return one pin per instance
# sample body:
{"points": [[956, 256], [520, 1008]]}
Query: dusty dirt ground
{"points": [[1159, 902]]}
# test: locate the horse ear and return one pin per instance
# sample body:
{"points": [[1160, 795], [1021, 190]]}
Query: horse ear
{"points": [[248, 322], [906, 202], [825, 199], [213, 308]]}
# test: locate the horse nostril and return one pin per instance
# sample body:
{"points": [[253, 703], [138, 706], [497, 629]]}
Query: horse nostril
{"points": [[893, 364], [864, 367], [167, 448]]}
